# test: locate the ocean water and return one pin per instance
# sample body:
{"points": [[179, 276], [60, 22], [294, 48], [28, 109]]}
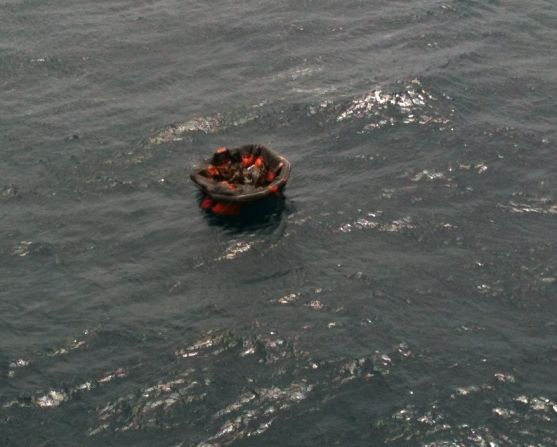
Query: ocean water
{"points": [[403, 293]]}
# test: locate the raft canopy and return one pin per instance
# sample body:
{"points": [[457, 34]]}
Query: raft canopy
{"points": [[243, 174]]}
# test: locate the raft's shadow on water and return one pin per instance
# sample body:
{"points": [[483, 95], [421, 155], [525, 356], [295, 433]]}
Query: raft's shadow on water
{"points": [[264, 214]]}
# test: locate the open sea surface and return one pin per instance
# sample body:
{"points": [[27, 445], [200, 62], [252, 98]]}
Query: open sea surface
{"points": [[404, 293]]}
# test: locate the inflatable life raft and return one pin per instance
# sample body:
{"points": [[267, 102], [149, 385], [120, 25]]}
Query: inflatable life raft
{"points": [[234, 177]]}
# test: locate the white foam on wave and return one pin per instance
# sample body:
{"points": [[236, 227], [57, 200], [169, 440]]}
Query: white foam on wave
{"points": [[365, 223], [254, 406], [521, 419], [413, 105], [534, 206], [235, 249], [175, 132], [377, 108]]}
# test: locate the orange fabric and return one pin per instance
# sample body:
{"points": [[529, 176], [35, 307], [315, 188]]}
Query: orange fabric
{"points": [[212, 170], [272, 174], [226, 209], [259, 162], [247, 160], [206, 203]]}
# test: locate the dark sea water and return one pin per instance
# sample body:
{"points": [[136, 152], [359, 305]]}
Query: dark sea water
{"points": [[403, 294]]}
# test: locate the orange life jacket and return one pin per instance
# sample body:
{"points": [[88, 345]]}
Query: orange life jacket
{"points": [[271, 174], [247, 160]]}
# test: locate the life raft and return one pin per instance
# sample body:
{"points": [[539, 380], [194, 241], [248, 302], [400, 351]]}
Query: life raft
{"points": [[233, 177]]}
